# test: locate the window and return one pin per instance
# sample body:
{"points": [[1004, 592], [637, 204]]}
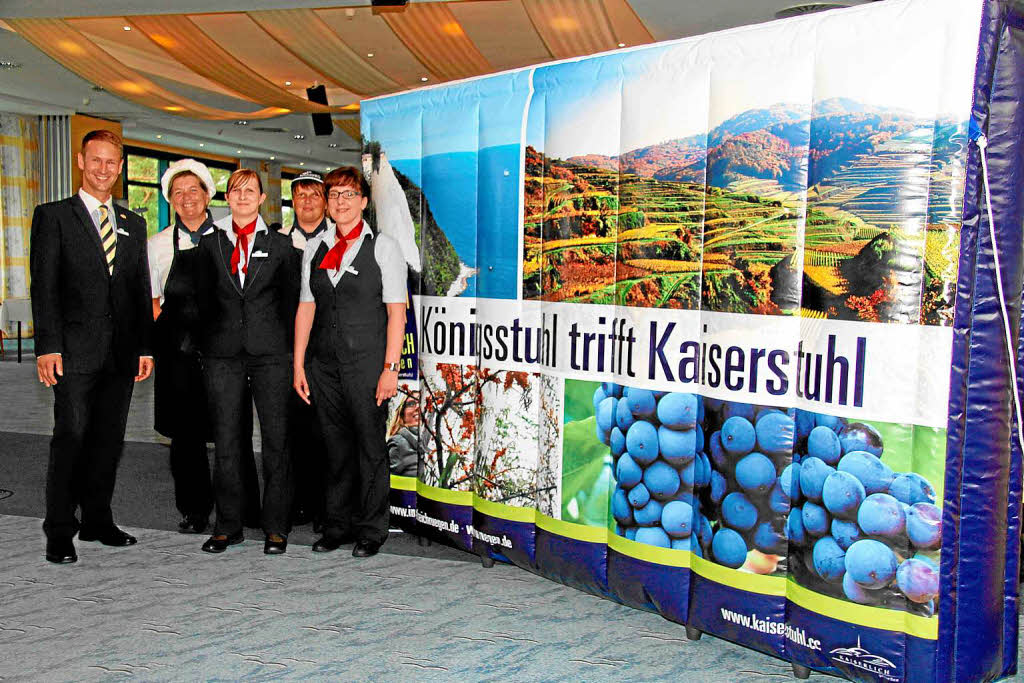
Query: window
{"points": [[145, 168], [287, 213]]}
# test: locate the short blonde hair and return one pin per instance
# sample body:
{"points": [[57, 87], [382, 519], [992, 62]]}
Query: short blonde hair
{"points": [[243, 175]]}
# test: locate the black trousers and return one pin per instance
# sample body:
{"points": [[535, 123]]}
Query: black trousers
{"points": [[353, 425], [229, 382], [90, 411], [308, 459]]}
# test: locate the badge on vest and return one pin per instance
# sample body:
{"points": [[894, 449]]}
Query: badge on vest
{"points": [[350, 269], [119, 231], [260, 254]]}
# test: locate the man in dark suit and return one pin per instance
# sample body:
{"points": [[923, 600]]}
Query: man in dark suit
{"points": [[249, 277], [92, 312]]}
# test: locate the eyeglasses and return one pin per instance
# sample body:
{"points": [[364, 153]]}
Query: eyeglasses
{"points": [[335, 195]]}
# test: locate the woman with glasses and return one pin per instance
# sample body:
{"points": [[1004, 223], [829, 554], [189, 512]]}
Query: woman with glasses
{"points": [[348, 342], [250, 276]]}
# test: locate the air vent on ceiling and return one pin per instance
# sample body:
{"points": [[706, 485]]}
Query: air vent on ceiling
{"points": [[808, 8], [267, 129]]}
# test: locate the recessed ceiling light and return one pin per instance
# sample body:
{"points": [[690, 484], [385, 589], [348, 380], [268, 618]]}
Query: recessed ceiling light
{"points": [[423, 78], [369, 54], [299, 137], [202, 144], [622, 45], [127, 27], [333, 145], [287, 82], [302, 163], [241, 123], [238, 151], [7, 64], [158, 136], [327, 168]]}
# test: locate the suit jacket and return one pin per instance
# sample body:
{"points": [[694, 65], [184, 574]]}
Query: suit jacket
{"points": [[257, 318], [80, 310]]}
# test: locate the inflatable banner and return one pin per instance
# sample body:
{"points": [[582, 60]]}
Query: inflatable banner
{"points": [[712, 328]]}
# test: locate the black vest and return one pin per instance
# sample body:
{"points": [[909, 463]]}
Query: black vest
{"points": [[350, 323]]}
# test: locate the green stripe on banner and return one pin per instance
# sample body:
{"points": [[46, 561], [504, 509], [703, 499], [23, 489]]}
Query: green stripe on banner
{"points": [[444, 495], [754, 583], [649, 553], [863, 615], [403, 483], [502, 511], [578, 532]]}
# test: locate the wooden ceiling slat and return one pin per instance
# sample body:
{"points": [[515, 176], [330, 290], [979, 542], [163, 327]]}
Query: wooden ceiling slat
{"points": [[432, 33], [306, 36], [73, 50], [184, 41], [502, 32], [626, 25], [351, 128], [571, 28]]}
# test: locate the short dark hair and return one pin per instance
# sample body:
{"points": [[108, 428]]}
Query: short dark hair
{"points": [[240, 176], [107, 136], [310, 185], [346, 175]]}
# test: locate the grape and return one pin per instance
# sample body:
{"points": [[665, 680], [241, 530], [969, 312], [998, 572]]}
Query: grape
{"points": [[612, 389], [804, 424], [882, 515], [717, 453], [775, 432], [846, 533], [624, 416], [831, 421], [768, 540], [599, 395], [755, 474], [631, 533], [678, 410], [677, 448], [911, 488], [621, 510], [639, 496], [677, 519], [688, 476], [653, 535], [918, 580], [648, 515], [874, 474], [628, 472], [702, 471], [738, 436], [602, 436], [640, 402], [698, 439], [842, 494], [718, 485], [729, 548], [815, 518], [871, 563], [642, 442], [606, 414], [661, 480], [829, 559], [704, 532], [823, 443], [735, 409], [858, 436], [924, 526], [778, 501], [813, 473], [617, 442], [795, 531], [738, 512], [790, 480], [858, 593]]}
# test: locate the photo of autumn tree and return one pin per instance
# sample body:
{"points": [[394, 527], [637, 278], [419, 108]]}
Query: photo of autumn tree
{"points": [[479, 431]]}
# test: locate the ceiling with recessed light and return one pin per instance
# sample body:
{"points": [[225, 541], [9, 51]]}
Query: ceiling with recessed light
{"points": [[234, 82]]}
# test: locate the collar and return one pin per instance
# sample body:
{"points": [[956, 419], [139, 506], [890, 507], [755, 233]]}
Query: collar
{"points": [[205, 228], [309, 235], [225, 225], [330, 236], [92, 204]]}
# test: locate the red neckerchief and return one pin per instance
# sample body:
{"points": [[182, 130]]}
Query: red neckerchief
{"points": [[241, 246], [332, 260]]}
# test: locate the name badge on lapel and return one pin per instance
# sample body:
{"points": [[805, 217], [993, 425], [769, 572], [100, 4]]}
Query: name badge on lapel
{"points": [[119, 231], [260, 254], [350, 269]]}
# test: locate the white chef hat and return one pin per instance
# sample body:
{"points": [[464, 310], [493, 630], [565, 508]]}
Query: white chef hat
{"points": [[187, 165]]}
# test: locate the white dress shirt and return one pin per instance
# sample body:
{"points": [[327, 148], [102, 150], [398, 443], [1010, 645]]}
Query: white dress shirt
{"points": [[393, 271], [225, 224]]}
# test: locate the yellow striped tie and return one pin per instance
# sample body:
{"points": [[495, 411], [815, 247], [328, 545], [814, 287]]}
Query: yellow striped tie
{"points": [[107, 238]]}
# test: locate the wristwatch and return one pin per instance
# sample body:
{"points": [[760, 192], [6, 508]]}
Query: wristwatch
{"points": [[391, 366]]}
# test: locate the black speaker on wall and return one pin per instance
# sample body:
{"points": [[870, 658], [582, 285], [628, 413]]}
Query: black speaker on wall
{"points": [[322, 124]]}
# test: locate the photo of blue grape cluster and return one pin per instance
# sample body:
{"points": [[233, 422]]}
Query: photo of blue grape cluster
{"points": [[857, 529], [771, 491], [658, 448]]}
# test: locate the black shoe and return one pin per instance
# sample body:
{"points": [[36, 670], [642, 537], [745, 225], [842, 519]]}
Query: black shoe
{"points": [[60, 550], [365, 548], [328, 544], [193, 524], [218, 543], [276, 544], [109, 536]]}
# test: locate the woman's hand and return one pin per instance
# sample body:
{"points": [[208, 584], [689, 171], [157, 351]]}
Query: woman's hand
{"points": [[387, 385], [300, 384]]}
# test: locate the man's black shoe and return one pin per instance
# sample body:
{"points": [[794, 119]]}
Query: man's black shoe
{"points": [[193, 524], [110, 536], [365, 548], [327, 544], [275, 544], [218, 543], [60, 550]]}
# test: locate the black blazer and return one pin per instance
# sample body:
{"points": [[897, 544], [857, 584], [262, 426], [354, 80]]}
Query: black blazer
{"points": [[257, 319], [79, 309]]}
